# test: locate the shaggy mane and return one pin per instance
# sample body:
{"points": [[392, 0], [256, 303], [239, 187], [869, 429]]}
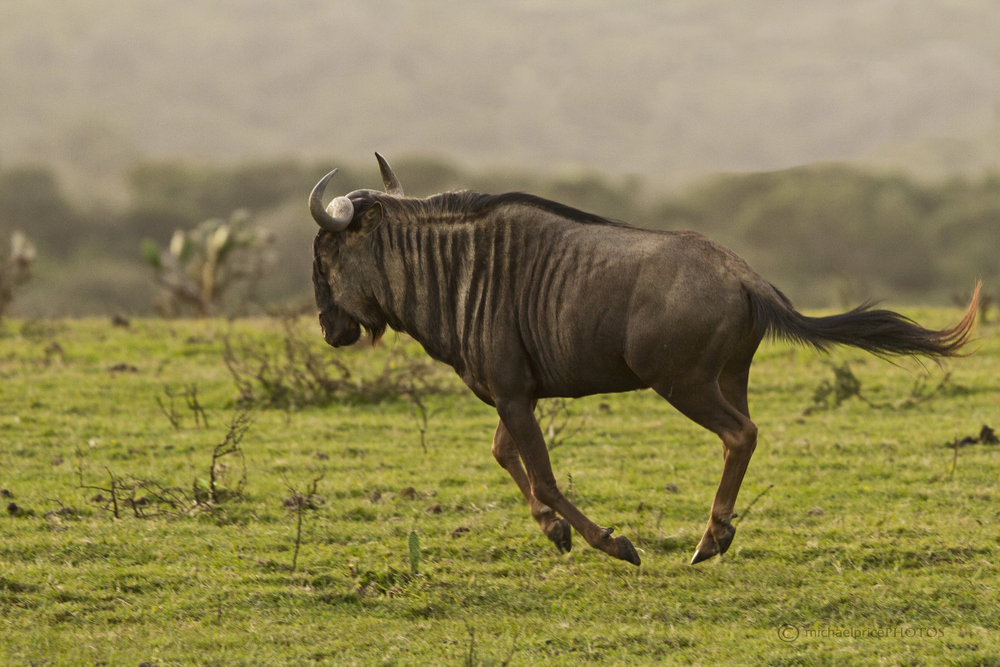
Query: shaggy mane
{"points": [[466, 204]]}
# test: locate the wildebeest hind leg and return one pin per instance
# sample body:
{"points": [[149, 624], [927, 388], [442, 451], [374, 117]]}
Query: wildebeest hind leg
{"points": [[517, 417], [554, 526], [706, 403]]}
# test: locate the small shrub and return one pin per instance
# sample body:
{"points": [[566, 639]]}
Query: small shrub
{"points": [[831, 394], [298, 372], [300, 501], [201, 265], [846, 385], [16, 269], [147, 498], [556, 421], [291, 375]]}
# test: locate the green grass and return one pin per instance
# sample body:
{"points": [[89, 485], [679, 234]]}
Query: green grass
{"points": [[902, 545]]}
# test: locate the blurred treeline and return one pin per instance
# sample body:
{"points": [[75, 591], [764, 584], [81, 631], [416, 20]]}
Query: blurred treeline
{"points": [[827, 235]]}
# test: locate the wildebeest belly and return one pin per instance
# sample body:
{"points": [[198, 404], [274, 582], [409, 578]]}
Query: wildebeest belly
{"points": [[573, 325], [614, 303]]}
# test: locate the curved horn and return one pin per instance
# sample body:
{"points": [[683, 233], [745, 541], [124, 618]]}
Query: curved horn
{"points": [[389, 179], [338, 215]]}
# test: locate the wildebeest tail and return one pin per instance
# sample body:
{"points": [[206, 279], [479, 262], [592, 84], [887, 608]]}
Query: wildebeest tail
{"points": [[882, 332]]}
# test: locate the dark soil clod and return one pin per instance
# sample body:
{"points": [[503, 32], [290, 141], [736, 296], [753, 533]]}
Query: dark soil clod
{"points": [[123, 368], [987, 436]]}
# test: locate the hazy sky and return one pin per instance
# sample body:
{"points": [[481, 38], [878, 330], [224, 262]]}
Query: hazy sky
{"points": [[635, 86]]}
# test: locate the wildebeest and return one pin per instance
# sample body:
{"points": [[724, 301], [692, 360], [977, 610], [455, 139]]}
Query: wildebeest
{"points": [[527, 299]]}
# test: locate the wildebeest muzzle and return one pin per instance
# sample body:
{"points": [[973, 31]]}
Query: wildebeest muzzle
{"points": [[339, 328]]}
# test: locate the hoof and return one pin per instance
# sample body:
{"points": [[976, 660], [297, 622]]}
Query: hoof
{"points": [[712, 546], [700, 556], [561, 534], [626, 551], [726, 539]]}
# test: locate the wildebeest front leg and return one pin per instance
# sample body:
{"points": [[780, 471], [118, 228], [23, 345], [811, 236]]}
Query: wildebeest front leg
{"points": [[555, 527], [517, 417]]}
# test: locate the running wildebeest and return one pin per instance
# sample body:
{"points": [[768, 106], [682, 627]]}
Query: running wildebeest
{"points": [[527, 299]]}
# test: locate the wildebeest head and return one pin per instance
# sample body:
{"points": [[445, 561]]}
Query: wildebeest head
{"points": [[343, 225]]}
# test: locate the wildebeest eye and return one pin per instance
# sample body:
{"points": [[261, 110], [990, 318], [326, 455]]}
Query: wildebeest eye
{"points": [[326, 244], [321, 288], [321, 284]]}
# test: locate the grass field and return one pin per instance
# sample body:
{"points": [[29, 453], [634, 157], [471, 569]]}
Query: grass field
{"points": [[869, 549]]}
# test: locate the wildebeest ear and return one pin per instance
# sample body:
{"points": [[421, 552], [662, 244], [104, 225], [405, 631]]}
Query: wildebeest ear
{"points": [[371, 218]]}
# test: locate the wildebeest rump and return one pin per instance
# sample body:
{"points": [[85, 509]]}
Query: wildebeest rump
{"points": [[526, 299]]}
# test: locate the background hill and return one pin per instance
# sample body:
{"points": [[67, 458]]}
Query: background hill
{"points": [[611, 107]]}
